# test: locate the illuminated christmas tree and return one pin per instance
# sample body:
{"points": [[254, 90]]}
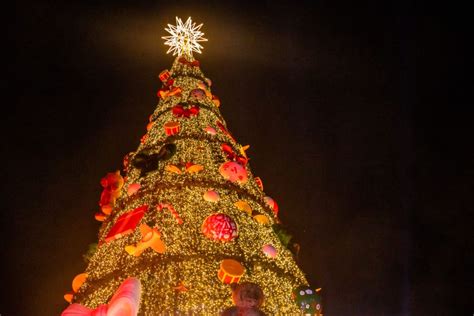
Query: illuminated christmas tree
{"points": [[186, 220]]}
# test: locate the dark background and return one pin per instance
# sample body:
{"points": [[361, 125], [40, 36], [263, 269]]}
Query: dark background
{"points": [[353, 112]]}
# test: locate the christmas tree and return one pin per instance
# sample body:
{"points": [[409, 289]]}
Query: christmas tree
{"points": [[186, 220]]}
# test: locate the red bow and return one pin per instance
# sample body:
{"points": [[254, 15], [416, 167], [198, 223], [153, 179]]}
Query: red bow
{"points": [[125, 302], [231, 155], [224, 130], [194, 63], [180, 111]]}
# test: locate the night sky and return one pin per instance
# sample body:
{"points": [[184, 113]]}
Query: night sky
{"points": [[353, 115]]}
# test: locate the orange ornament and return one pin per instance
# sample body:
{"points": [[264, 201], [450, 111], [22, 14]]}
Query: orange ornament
{"points": [[171, 128], [173, 169], [261, 219], [151, 238], [68, 297], [78, 281], [230, 271], [149, 126], [216, 101], [243, 206], [100, 217], [194, 168]]}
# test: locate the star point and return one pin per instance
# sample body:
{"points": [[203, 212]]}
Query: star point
{"points": [[184, 38]]}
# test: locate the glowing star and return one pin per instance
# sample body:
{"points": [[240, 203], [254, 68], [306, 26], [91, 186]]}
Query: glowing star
{"points": [[184, 38]]}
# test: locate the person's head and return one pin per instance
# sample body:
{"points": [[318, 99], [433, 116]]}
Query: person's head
{"points": [[247, 295]]}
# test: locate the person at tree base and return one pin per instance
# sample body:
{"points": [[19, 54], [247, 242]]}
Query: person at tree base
{"points": [[247, 297]]}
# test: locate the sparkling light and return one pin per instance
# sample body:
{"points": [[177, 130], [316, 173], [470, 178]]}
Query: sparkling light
{"points": [[184, 38]]}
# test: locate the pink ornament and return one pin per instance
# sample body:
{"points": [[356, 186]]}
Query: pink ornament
{"points": [[125, 302], [219, 227], [198, 94], [234, 172], [271, 204], [211, 196], [133, 188], [210, 130], [269, 251]]}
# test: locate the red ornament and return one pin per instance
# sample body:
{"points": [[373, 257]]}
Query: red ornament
{"points": [[112, 181], [259, 182], [184, 61], [220, 227], [171, 128], [234, 172], [133, 188], [126, 223], [227, 149], [164, 75], [271, 204], [224, 130], [231, 155], [171, 209], [180, 111], [210, 130]]}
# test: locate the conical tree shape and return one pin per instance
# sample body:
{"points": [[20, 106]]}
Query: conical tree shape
{"points": [[161, 227]]}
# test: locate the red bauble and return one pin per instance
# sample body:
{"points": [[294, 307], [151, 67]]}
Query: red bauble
{"points": [[220, 227], [271, 204], [234, 172]]}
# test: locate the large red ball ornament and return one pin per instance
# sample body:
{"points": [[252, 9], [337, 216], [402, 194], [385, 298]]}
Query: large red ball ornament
{"points": [[234, 172], [219, 227]]}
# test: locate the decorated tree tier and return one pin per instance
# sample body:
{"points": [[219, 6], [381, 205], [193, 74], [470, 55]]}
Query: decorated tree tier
{"points": [[186, 218]]}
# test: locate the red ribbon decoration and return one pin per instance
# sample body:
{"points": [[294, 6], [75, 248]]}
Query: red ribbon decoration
{"points": [[194, 63], [224, 130], [231, 155], [180, 111]]}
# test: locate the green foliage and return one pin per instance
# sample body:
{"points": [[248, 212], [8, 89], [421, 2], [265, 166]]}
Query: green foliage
{"points": [[90, 252], [282, 234]]}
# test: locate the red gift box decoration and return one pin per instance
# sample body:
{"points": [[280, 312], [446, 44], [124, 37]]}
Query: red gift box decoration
{"points": [[164, 75]]}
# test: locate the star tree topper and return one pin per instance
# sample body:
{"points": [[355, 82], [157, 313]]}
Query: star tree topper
{"points": [[184, 38]]}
